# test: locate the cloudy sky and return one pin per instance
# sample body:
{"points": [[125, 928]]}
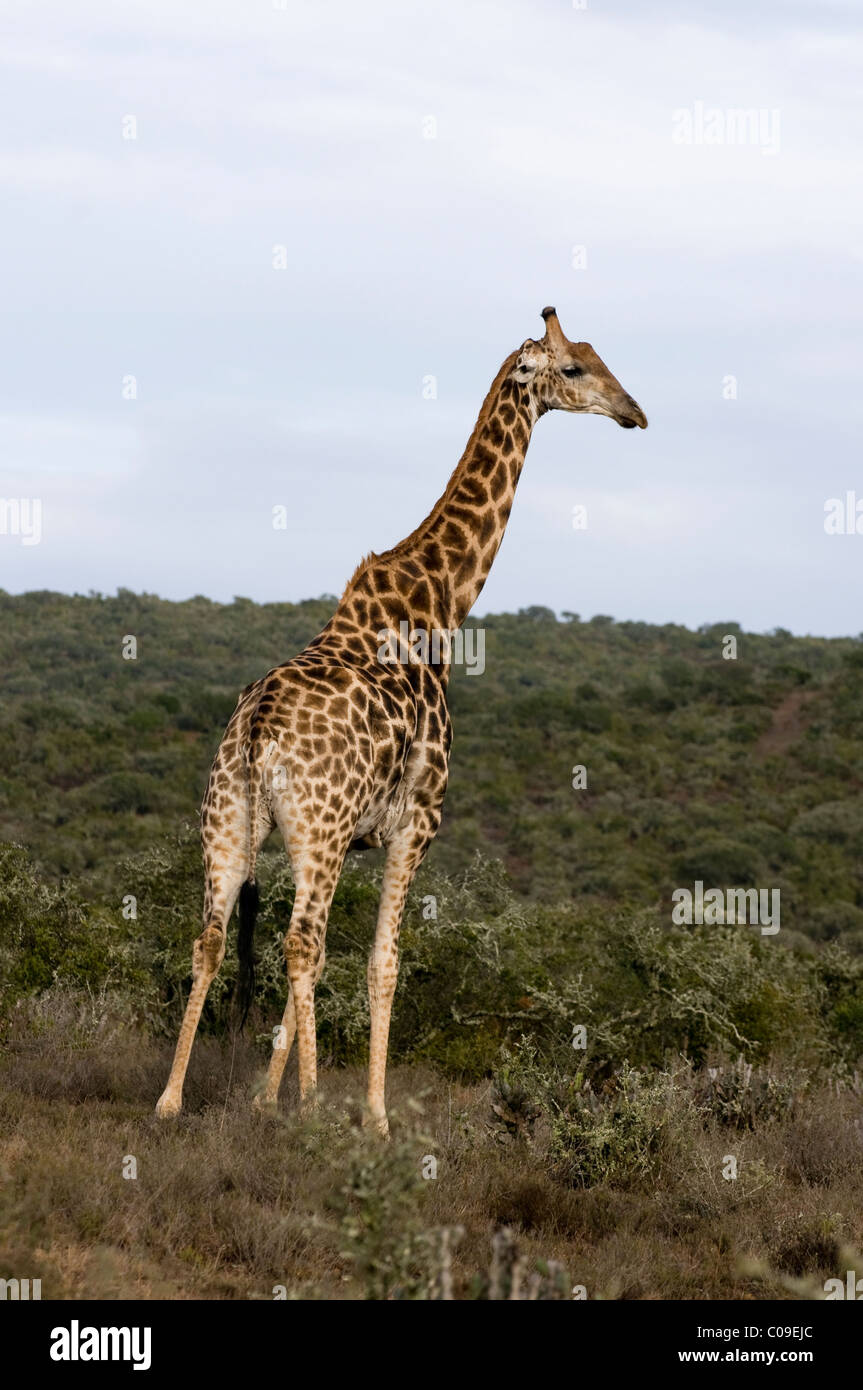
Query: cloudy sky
{"points": [[431, 171]]}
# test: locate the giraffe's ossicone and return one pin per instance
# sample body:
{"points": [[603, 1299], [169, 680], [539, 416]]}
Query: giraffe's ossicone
{"points": [[347, 745]]}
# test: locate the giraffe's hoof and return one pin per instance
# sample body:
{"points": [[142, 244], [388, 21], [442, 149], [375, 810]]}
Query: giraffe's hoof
{"points": [[379, 1123], [264, 1105], [168, 1106], [309, 1100]]}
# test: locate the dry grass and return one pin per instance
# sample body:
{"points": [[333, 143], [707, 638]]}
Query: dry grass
{"points": [[228, 1205]]}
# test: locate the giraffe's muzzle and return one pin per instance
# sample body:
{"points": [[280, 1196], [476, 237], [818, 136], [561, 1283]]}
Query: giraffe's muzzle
{"points": [[630, 415]]}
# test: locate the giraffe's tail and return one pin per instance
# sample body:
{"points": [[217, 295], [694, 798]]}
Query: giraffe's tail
{"points": [[249, 898], [245, 988]]}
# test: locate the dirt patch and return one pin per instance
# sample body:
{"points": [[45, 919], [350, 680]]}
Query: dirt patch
{"points": [[790, 722]]}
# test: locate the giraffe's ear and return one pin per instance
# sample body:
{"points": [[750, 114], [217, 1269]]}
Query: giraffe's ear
{"points": [[531, 359]]}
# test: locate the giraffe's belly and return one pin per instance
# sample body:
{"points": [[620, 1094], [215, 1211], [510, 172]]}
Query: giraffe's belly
{"points": [[381, 817], [419, 788]]}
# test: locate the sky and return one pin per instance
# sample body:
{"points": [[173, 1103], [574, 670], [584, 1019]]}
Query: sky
{"points": [[264, 255]]}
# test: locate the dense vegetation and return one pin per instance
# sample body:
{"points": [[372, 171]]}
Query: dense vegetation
{"points": [[600, 1056], [745, 771]]}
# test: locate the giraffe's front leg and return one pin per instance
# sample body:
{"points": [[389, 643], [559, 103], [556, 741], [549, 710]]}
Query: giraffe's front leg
{"points": [[403, 860], [316, 862], [269, 1097], [282, 1043], [382, 976]]}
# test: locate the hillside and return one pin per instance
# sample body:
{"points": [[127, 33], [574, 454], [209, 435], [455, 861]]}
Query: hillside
{"points": [[737, 772]]}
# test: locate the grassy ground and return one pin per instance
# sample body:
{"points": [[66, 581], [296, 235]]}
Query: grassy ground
{"points": [[226, 1205]]}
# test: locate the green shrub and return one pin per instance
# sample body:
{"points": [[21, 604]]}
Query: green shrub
{"points": [[630, 1131], [45, 933], [721, 862], [480, 967], [835, 822]]}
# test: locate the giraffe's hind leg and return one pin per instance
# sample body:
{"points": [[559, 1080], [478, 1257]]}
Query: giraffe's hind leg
{"points": [[226, 861], [207, 955]]}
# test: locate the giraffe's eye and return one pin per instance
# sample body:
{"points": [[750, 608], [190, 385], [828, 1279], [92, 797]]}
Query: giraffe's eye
{"points": [[572, 371]]}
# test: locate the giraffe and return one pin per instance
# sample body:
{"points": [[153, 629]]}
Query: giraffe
{"points": [[340, 749]]}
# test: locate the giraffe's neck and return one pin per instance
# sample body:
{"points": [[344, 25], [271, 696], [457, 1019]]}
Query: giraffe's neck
{"points": [[433, 578], [456, 544]]}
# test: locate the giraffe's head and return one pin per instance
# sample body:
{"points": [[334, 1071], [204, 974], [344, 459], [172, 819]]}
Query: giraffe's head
{"points": [[570, 376]]}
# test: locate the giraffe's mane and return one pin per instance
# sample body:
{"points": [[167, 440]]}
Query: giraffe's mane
{"points": [[486, 409], [360, 569]]}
